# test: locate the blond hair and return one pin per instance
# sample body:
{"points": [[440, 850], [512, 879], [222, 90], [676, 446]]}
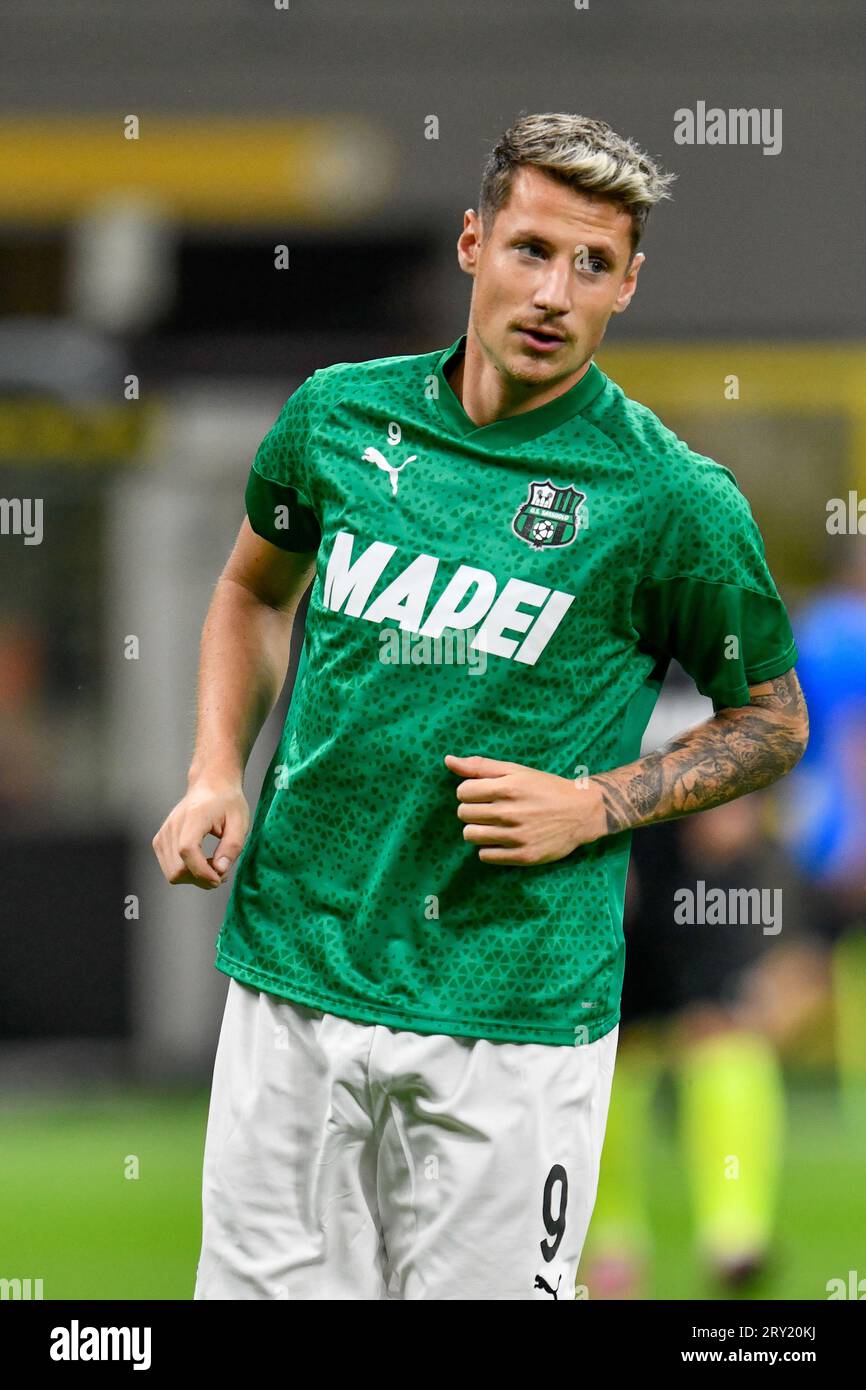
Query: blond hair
{"points": [[583, 153]]}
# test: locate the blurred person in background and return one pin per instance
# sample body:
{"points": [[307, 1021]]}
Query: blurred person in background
{"points": [[26, 731], [716, 1003], [825, 821]]}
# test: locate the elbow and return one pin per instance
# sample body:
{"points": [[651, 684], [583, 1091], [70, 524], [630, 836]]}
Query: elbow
{"points": [[799, 739]]}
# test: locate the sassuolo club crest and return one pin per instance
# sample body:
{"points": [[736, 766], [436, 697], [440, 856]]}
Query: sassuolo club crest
{"points": [[549, 516]]}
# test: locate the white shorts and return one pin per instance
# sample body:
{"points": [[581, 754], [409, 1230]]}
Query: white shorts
{"points": [[356, 1161]]}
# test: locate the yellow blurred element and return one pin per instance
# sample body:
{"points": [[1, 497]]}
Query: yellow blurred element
{"points": [[849, 979], [794, 379], [40, 431], [319, 170]]}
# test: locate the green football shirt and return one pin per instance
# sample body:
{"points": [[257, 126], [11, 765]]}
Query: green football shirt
{"points": [[515, 590]]}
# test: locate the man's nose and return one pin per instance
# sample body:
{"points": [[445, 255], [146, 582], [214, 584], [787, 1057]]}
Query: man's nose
{"points": [[553, 290]]}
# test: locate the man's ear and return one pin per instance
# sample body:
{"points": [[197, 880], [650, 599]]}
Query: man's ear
{"points": [[629, 285], [469, 241]]}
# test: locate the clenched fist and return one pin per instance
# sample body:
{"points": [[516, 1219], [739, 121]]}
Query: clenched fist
{"points": [[210, 807]]}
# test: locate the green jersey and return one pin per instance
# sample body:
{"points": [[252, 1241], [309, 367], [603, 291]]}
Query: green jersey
{"points": [[514, 590]]}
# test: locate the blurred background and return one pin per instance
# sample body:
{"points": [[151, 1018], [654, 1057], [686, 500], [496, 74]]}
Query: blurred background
{"points": [[199, 206]]}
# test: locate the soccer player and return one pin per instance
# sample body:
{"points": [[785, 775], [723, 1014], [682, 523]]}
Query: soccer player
{"points": [[424, 932]]}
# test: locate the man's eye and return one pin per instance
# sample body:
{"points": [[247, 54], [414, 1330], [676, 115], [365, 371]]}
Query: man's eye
{"points": [[594, 263]]}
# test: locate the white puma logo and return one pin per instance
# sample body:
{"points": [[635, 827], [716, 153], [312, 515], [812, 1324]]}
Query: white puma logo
{"points": [[372, 455]]}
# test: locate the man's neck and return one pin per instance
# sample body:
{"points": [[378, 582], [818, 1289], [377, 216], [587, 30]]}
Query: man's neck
{"points": [[485, 406]]}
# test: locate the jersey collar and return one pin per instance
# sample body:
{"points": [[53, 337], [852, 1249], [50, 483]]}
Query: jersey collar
{"points": [[514, 428]]}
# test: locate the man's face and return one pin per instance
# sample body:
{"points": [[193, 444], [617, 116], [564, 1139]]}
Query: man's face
{"points": [[554, 260]]}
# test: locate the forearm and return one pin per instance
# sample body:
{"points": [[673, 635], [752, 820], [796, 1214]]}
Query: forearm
{"points": [[244, 655], [737, 751]]}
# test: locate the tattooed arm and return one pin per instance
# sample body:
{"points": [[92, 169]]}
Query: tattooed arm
{"points": [[735, 752], [520, 815]]}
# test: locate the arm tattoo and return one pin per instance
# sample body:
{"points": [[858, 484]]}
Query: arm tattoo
{"points": [[737, 751]]}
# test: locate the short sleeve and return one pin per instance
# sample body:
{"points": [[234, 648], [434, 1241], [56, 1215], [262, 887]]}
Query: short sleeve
{"points": [[705, 596], [277, 496]]}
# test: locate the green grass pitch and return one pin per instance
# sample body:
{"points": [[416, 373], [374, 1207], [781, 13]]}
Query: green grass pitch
{"points": [[71, 1217]]}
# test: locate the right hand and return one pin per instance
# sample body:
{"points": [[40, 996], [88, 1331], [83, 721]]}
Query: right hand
{"points": [[210, 807]]}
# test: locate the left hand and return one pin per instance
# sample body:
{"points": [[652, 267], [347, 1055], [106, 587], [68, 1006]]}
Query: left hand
{"points": [[522, 816]]}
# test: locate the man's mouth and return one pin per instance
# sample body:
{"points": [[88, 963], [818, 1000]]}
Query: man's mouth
{"points": [[541, 339]]}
